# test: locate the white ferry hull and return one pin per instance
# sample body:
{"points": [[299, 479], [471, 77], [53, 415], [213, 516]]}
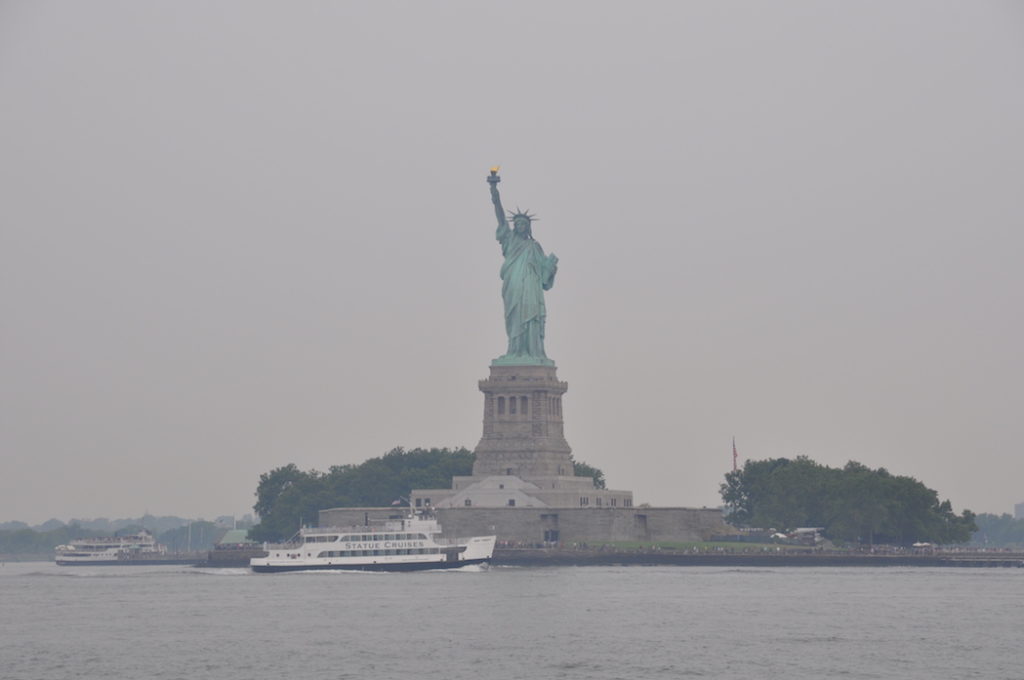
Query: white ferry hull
{"points": [[377, 566], [412, 544]]}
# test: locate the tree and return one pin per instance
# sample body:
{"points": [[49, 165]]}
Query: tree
{"points": [[855, 503], [999, 531], [288, 497], [273, 484], [581, 469]]}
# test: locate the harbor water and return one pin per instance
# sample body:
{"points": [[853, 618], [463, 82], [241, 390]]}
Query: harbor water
{"points": [[176, 622]]}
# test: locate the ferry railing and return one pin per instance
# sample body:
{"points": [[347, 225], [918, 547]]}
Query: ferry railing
{"points": [[281, 546]]}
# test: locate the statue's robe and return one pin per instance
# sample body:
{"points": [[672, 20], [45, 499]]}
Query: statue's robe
{"points": [[525, 274]]}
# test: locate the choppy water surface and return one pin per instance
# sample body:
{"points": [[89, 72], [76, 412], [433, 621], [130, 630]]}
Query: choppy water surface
{"points": [[592, 622]]}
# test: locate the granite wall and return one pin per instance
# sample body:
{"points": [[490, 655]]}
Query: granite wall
{"points": [[565, 525]]}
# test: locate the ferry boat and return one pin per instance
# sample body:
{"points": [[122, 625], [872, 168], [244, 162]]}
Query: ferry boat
{"points": [[140, 548], [408, 544]]}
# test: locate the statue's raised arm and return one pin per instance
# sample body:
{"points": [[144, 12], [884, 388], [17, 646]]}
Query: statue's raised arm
{"points": [[493, 180]]}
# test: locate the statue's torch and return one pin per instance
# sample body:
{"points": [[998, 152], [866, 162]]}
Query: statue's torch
{"points": [[494, 178]]}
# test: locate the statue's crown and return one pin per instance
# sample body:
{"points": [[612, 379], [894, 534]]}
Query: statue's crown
{"points": [[521, 213]]}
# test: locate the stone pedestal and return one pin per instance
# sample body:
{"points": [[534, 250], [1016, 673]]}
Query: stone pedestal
{"points": [[522, 460], [523, 424]]}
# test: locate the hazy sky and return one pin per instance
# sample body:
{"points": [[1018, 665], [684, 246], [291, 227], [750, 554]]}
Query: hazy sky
{"points": [[235, 235]]}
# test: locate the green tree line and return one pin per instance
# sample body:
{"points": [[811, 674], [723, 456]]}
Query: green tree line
{"points": [[998, 531], [852, 504], [287, 497], [31, 542]]}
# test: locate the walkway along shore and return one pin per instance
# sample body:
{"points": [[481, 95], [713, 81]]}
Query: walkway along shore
{"points": [[540, 557], [582, 557]]}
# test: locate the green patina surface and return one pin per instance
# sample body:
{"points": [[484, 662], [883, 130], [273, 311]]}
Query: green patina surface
{"points": [[526, 273]]}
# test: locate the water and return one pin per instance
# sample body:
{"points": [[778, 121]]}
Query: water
{"points": [[592, 622]]}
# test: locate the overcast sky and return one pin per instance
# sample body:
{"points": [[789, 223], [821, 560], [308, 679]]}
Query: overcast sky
{"points": [[235, 235]]}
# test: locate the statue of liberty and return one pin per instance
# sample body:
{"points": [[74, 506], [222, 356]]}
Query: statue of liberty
{"points": [[526, 273]]}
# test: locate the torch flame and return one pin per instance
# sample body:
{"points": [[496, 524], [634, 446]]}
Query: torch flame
{"points": [[495, 168]]}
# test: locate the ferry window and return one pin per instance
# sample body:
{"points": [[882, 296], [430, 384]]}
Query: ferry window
{"points": [[511, 502], [522, 405], [376, 537], [419, 502], [501, 406], [511, 406]]}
